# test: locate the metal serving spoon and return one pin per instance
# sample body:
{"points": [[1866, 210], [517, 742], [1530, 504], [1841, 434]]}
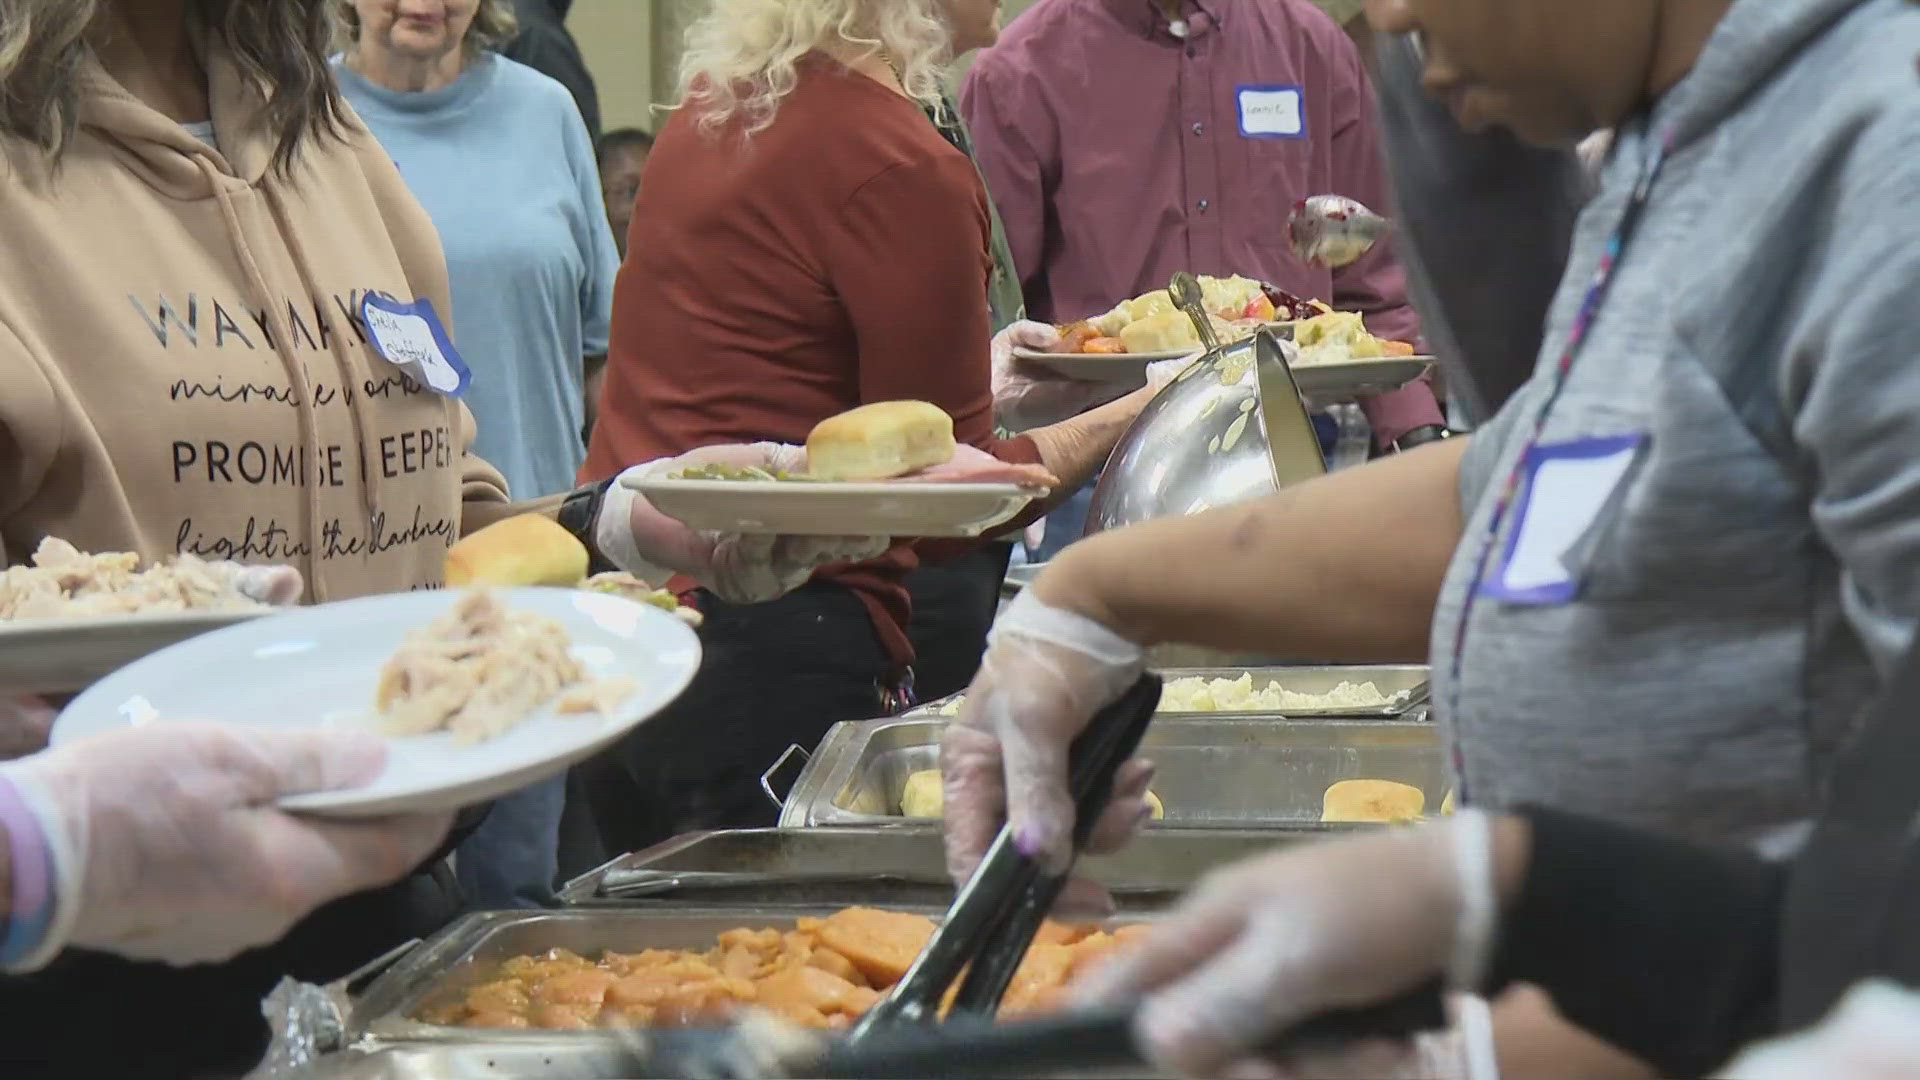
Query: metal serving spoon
{"points": [[1334, 231]]}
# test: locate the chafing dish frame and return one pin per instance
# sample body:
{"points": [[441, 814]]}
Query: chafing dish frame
{"points": [[856, 776]]}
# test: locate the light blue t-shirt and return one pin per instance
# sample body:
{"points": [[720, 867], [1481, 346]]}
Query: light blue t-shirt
{"points": [[502, 162]]}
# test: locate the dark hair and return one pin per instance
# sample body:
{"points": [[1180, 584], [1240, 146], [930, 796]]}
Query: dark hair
{"points": [[619, 139], [279, 44]]}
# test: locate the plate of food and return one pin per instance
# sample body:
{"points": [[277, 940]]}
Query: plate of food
{"points": [[1336, 358], [1117, 346], [479, 692], [891, 468], [69, 617]]}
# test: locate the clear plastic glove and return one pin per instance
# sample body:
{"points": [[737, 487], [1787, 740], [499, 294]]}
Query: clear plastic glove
{"points": [[1162, 373], [1004, 759], [1026, 396], [168, 846], [740, 569], [276, 586], [1277, 939], [1873, 1034]]}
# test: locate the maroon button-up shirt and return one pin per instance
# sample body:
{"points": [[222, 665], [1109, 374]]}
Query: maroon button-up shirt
{"points": [[1120, 151]]}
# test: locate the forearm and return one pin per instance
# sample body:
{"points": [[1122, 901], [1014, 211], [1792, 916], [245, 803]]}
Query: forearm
{"points": [[1344, 568], [1075, 449], [1659, 947]]}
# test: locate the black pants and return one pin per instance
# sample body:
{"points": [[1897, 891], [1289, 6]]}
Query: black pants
{"points": [[93, 1015], [953, 607], [774, 674]]}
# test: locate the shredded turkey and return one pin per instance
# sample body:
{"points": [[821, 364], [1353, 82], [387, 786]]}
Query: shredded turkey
{"points": [[64, 582], [480, 669], [622, 584]]}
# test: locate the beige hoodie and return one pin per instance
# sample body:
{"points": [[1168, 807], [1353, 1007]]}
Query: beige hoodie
{"points": [[182, 361]]}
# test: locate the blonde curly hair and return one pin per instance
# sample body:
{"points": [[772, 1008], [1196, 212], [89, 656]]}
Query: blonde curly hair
{"points": [[741, 56]]}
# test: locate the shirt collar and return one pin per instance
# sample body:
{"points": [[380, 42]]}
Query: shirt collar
{"points": [[1146, 18]]}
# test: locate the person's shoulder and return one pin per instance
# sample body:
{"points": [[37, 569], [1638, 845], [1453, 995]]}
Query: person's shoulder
{"points": [[1025, 42], [530, 84], [1278, 20]]}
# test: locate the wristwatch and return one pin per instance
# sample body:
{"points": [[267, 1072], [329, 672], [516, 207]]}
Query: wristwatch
{"points": [[1421, 436], [579, 514]]}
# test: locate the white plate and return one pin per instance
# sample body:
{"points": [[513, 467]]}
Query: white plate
{"points": [[318, 666], [818, 508], [60, 656], [1128, 368], [1348, 379]]}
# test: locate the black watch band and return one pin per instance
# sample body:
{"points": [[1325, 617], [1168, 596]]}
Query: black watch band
{"points": [[579, 514], [1421, 436]]}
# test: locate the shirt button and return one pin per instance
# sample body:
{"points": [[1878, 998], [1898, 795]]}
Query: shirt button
{"points": [[1203, 205], [1199, 129]]}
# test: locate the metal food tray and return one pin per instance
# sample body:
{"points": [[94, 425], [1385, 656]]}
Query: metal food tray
{"points": [[901, 864], [1213, 772], [552, 1059], [1412, 679], [473, 948]]}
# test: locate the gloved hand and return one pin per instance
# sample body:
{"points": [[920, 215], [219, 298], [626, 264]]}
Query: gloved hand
{"points": [[276, 586], [167, 844], [1873, 1034], [740, 569], [1025, 396], [1279, 938], [1162, 373], [1046, 672]]}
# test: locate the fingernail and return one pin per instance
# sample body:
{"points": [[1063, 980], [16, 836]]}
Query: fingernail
{"points": [[1028, 841]]}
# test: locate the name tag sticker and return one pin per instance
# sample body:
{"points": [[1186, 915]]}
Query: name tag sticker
{"points": [[1568, 487], [1273, 112], [412, 338]]}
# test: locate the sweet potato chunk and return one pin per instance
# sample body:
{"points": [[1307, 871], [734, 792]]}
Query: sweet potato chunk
{"points": [[881, 944]]}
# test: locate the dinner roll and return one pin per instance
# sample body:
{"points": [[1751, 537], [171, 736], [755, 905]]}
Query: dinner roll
{"points": [[1167, 332], [531, 549], [1159, 808], [923, 797], [1382, 801], [880, 441]]}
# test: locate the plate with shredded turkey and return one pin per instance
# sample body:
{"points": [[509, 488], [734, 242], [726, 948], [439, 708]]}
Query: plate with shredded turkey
{"points": [[479, 693], [69, 618]]}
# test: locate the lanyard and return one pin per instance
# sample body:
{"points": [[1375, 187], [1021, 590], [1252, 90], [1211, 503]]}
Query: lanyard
{"points": [[1583, 323]]}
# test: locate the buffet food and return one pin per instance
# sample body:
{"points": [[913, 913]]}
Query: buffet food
{"points": [[923, 796], [63, 582], [1198, 694], [480, 669], [1153, 323], [822, 975], [887, 441], [535, 550], [1383, 802], [1339, 336], [880, 441]]}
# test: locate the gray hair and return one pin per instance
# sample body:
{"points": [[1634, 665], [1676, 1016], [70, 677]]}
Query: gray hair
{"points": [[494, 25], [279, 44]]}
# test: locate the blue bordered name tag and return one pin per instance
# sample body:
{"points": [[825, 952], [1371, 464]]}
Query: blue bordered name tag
{"points": [[1568, 488], [412, 338]]}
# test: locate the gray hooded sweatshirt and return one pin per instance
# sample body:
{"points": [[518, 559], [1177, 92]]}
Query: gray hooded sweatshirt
{"points": [[1752, 580]]}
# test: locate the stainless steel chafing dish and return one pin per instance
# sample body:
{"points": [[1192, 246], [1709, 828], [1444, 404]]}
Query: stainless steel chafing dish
{"points": [[1213, 772], [1392, 679], [900, 864]]}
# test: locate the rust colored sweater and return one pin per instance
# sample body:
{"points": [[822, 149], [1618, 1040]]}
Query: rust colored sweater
{"points": [[839, 257]]}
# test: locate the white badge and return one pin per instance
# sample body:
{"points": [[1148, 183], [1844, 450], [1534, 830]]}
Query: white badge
{"points": [[1568, 486], [412, 338], [1273, 112]]}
